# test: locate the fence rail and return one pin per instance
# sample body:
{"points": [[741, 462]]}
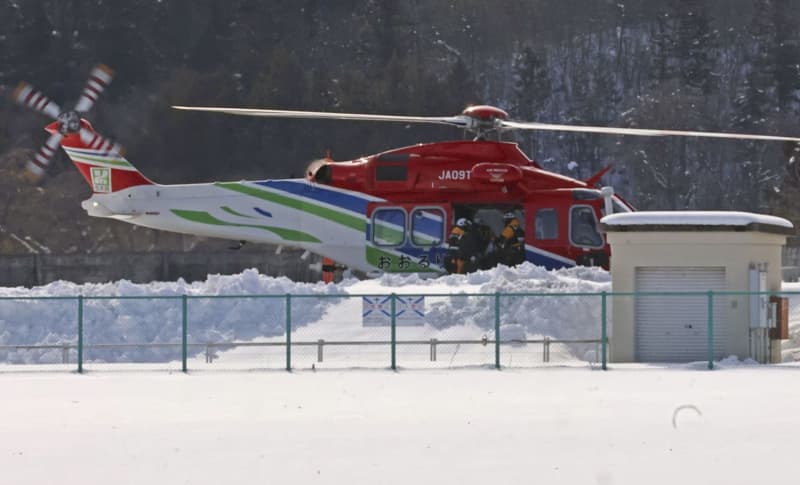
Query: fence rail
{"points": [[209, 347]]}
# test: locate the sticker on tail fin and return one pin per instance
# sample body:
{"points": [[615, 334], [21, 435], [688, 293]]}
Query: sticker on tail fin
{"points": [[101, 180], [104, 172]]}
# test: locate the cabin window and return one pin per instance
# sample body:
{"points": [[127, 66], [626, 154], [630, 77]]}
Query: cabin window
{"points": [[391, 173], [546, 224], [583, 227], [427, 227], [586, 194], [388, 227]]}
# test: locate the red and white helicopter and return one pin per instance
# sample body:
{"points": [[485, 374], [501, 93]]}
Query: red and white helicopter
{"points": [[389, 212]]}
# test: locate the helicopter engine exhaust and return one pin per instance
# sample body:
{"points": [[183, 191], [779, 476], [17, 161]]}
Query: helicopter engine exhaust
{"points": [[319, 171]]}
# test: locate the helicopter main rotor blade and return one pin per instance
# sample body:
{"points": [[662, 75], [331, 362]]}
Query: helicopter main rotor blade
{"points": [[640, 132], [461, 121]]}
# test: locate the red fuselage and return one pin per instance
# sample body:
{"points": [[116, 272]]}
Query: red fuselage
{"points": [[473, 175]]}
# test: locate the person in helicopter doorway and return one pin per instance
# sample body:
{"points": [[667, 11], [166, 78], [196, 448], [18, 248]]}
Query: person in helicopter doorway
{"points": [[510, 245], [463, 245], [486, 249]]}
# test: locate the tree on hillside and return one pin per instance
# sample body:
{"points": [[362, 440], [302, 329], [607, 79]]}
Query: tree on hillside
{"points": [[531, 91], [756, 105]]}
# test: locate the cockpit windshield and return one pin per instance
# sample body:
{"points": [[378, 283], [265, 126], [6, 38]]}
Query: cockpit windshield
{"points": [[583, 231], [619, 205]]}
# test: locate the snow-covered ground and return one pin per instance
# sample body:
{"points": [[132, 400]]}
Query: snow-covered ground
{"points": [[462, 423], [631, 425]]}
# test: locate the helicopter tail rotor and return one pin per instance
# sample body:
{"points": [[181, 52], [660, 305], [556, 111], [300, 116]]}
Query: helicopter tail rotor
{"points": [[99, 79], [95, 141], [67, 123], [27, 95], [37, 166]]}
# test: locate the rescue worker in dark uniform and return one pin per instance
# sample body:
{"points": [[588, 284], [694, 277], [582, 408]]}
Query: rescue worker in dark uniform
{"points": [[453, 244], [511, 242], [486, 239], [462, 254]]}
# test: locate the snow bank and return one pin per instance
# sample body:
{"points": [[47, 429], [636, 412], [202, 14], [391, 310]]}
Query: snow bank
{"points": [[536, 303], [132, 320]]}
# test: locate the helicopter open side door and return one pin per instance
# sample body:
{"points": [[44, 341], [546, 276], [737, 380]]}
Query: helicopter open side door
{"points": [[406, 237]]}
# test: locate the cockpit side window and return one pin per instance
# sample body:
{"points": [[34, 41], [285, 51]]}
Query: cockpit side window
{"points": [[583, 230], [546, 224], [391, 173]]}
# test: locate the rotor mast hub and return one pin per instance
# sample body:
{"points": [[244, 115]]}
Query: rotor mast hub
{"points": [[484, 119], [485, 112], [68, 122]]}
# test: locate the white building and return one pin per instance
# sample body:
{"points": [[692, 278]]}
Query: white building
{"points": [[693, 252]]}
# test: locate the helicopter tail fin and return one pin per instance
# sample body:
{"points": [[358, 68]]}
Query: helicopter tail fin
{"points": [[105, 170]]}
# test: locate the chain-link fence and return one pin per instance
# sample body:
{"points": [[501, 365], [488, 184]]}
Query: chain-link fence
{"points": [[337, 331]]}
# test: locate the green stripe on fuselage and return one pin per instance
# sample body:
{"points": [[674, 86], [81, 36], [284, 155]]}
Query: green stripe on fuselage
{"points": [[233, 212], [206, 218], [352, 222], [82, 157]]}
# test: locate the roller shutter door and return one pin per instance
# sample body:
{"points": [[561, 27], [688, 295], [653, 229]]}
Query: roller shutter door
{"points": [[674, 328]]}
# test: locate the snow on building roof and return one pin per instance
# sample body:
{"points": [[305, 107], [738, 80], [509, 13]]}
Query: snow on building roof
{"points": [[696, 221]]}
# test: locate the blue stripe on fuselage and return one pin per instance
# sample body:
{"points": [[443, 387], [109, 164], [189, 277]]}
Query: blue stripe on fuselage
{"points": [[335, 198]]}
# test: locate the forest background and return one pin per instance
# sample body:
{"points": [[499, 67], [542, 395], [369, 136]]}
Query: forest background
{"points": [[718, 65]]}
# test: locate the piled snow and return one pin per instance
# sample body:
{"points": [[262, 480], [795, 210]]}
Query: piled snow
{"points": [[146, 320], [462, 308], [133, 320], [566, 313]]}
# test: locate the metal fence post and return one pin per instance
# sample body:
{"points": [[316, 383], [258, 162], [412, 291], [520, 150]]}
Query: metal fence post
{"points": [[546, 350], [394, 332], [288, 332], [184, 332], [603, 330], [497, 330], [710, 329], [80, 334]]}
